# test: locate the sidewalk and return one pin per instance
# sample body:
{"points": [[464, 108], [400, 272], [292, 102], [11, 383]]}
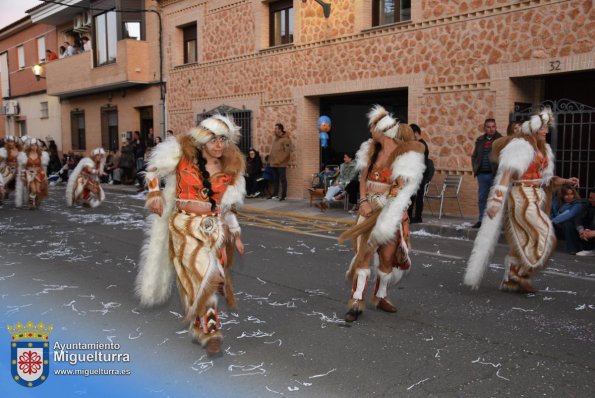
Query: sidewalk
{"points": [[451, 226], [447, 226]]}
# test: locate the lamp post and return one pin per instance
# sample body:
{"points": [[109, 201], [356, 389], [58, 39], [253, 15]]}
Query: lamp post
{"points": [[37, 71]]}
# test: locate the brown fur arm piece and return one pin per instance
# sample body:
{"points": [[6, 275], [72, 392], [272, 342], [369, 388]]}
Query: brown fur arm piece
{"points": [[154, 199]]}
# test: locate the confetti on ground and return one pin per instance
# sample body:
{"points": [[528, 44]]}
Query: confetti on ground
{"points": [[418, 383], [322, 375]]}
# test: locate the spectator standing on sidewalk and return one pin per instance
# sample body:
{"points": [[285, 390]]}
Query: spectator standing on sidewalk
{"points": [[279, 160], [127, 162], [586, 228], [151, 138], [139, 152], [417, 203], [483, 168], [55, 164]]}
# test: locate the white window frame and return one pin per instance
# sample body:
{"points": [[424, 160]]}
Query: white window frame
{"points": [[4, 81], [22, 127], [44, 110], [41, 49], [21, 56]]}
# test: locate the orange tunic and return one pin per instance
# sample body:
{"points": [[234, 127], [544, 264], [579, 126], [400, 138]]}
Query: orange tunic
{"points": [[189, 183], [535, 169], [380, 174]]}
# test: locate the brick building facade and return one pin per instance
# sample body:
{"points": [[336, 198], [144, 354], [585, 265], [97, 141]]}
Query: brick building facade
{"points": [[447, 68], [27, 109]]}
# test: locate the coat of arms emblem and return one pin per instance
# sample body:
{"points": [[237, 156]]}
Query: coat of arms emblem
{"points": [[30, 353]]}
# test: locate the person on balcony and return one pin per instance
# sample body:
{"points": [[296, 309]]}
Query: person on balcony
{"points": [[50, 55], [69, 50], [86, 44]]}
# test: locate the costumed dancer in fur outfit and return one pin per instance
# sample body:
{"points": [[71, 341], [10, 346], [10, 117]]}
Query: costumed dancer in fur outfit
{"points": [[84, 184], [521, 197], [391, 166], [194, 229], [32, 184], [9, 165]]}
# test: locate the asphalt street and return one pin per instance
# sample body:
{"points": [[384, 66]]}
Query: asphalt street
{"points": [[75, 268]]}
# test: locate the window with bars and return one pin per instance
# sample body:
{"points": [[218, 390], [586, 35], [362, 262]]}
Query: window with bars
{"points": [[385, 12], [281, 22]]}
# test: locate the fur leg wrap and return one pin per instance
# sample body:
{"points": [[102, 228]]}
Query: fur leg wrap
{"points": [[382, 280], [360, 282]]}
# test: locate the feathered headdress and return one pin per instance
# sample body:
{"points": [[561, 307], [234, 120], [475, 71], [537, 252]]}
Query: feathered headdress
{"points": [[381, 121], [219, 125], [545, 118], [98, 151]]}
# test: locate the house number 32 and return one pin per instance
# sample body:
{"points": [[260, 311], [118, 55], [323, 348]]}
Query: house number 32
{"points": [[554, 65]]}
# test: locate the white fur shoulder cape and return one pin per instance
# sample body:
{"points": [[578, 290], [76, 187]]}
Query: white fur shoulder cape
{"points": [[516, 156], [156, 273], [408, 166]]}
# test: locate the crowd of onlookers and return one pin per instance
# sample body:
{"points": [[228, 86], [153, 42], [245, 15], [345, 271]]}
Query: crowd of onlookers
{"points": [[68, 50]]}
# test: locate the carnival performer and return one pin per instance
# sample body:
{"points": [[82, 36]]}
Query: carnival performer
{"points": [[391, 166], [9, 165], [194, 229], [84, 184], [33, 181], [520, 197]]}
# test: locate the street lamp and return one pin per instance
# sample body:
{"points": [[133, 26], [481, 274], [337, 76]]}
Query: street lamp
{"points": [[37, 71]]}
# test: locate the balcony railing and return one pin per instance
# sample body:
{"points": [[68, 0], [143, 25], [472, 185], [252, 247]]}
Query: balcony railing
{"points": [[76, 75]]}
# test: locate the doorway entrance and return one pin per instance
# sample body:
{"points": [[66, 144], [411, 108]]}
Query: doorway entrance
{"points": [[146, 123], [350, 123]]}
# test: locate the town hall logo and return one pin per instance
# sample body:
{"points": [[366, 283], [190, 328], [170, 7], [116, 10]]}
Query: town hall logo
{"points": [[30, 353]]}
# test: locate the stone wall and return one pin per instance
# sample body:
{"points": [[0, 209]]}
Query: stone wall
{"points": [[448, 53]]}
